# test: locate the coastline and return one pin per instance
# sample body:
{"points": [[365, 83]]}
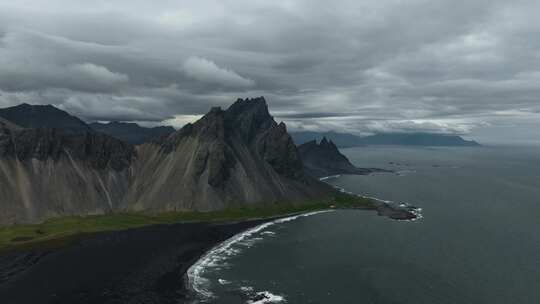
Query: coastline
{"points": [[147, 264], [141, 265], [390, 209], [215, 257]]}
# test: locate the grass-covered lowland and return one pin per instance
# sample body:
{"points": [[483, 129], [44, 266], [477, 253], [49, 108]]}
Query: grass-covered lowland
{"points": [[62, 231]]}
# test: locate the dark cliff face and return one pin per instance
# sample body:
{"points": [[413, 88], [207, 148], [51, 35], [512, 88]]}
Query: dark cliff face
{"points": [[324, 159], [49, 172], [44, 116], [132, 133], [249, 118], [249, 122], [279, 151], [98, 150], [229, 157], [216, 157], [48, 133], [7, 146]]}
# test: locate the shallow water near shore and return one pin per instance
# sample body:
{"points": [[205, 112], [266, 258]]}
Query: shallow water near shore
{"points": [[477, 242]]}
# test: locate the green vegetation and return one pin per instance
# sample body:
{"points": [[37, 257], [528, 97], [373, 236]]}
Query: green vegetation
{"points": [[62, 231]]}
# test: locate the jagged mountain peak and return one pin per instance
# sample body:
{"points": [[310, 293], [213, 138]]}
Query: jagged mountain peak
{"points": [[328, 144], [212, 124], [247, 122], [230, 156], [243, 104], [249, 106], [245, 118], [233, 157], [324, 159], [249, 117], [325, 142]]}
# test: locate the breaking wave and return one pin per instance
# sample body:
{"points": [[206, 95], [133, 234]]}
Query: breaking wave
{"points": [[416, 211], [218, 256]]}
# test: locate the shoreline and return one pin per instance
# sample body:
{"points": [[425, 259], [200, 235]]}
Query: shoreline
{"points": [[390, 209], [164, 254], [62, 231], [147, 264], [194, 279], [140, 265]]}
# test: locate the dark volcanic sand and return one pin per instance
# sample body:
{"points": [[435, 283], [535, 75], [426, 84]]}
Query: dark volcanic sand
{"points": [[144, 265]]}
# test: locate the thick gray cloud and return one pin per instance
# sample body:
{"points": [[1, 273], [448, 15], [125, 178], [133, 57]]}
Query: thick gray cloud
{"points": [[207, 71], [467, 67]]}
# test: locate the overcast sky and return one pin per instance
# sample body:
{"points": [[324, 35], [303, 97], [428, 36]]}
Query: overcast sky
{"points": [[362, 66]]}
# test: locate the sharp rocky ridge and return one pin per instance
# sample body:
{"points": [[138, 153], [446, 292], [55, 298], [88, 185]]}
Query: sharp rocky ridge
{"points": [[234, 157], [324, 159]]}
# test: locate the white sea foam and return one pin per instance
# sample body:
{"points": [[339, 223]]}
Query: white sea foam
{"points": [[417, 213], [217, 257], [268, 298], [329, 177], [414, 210], [246, 289], [404, 172]]}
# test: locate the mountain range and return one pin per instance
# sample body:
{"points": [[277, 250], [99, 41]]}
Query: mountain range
{"points": [[345, 140], [44, 116], [131, 132], [48, 116], [53, 164]]}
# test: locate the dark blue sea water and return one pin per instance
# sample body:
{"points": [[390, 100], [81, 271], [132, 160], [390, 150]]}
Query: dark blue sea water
{"points": [[478, 241]]}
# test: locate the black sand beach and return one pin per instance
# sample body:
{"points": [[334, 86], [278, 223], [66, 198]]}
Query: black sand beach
{"points": [[145, 265], [141, 265]]}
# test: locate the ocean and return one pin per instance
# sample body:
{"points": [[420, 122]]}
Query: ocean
{"points": [[477, 242]]}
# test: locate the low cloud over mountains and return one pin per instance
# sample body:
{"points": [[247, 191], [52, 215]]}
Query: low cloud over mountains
{"points": [[363, 67]]}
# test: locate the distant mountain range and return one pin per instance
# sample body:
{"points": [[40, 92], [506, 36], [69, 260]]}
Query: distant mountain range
{"points": [[344, 140], [53, 164], [48, 116], [44, 116], [132, 132]]}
